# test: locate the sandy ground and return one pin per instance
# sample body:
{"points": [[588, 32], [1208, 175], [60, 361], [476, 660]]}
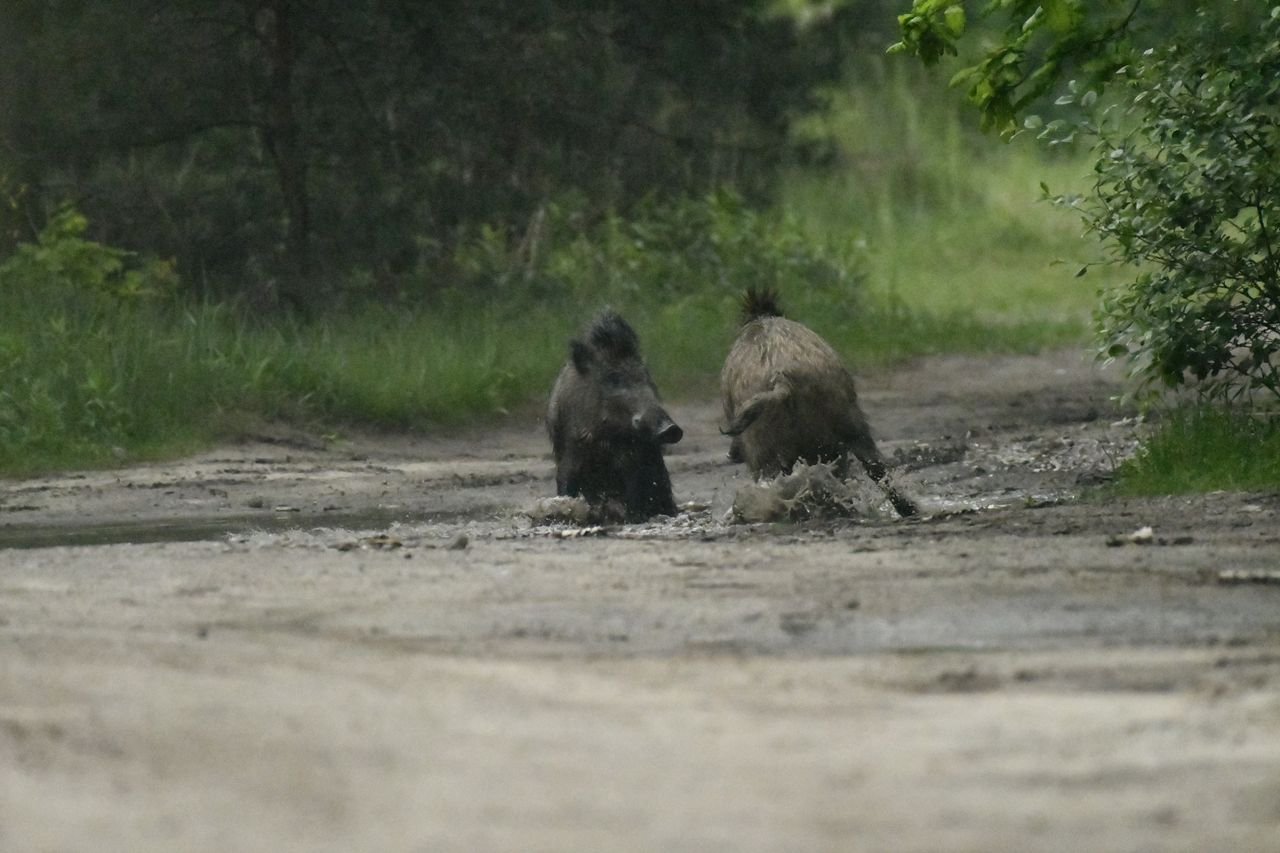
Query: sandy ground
{"points": [[362, 644]]}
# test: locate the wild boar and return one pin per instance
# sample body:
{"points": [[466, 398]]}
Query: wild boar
{"points": [[607, 424], [788, 397]]}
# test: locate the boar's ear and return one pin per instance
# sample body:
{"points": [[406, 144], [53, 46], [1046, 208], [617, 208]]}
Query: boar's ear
{"points": [[581, 355]]}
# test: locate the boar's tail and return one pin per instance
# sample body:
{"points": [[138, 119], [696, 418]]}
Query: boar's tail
{"points": [[754, 408], [762, 302]]}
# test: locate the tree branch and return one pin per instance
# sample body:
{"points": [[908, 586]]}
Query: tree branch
{"points": [[184, 133]]}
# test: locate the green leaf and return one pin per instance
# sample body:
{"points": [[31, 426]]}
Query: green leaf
{"points": [[964, 75], [1064, 16], [954, 19]]}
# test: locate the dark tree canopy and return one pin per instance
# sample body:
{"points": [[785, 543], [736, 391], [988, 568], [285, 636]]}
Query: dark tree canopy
{"points": [[290, 144], [1030, 48]]}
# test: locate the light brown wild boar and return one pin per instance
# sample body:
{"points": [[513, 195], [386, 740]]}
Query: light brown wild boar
{"points": [[789, 398]]}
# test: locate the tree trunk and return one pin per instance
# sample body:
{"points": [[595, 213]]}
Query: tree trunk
{"points": [[273, 24], [21, 102]]}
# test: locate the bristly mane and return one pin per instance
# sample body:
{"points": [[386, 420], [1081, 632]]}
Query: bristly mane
{"points": [[760, 303], [610, 334]]}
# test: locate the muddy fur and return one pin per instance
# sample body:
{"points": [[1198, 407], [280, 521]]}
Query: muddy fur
{"points": [[607, 425], [787, 397]]}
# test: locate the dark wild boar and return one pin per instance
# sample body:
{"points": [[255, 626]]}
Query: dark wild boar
{"points": [[607, 425], [789, 398]]}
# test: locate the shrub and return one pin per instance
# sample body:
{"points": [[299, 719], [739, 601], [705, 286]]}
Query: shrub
{"points": [[1185, 192], [64, 262], [62, 300], [711, 247]]}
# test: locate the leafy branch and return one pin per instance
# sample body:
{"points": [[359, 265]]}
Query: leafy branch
{"points": [[1042, 40]]}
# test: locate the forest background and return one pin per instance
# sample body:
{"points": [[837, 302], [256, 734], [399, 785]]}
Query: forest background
{"points": [[388, 214]]}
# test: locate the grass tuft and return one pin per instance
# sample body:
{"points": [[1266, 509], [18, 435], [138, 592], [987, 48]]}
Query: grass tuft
{"points": [[1202, 449]]}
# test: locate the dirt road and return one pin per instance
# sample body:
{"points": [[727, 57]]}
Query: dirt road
{"points": [[363, 644]]}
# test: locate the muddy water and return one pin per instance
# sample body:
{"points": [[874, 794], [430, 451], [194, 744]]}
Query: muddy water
{"points": [[957, 447], [224, 527]]}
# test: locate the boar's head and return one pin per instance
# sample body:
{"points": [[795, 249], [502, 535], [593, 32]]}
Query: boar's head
{"points": [[608, 360]]}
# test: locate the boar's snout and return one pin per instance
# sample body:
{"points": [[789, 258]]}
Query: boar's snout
{"points": [[657, 423]]}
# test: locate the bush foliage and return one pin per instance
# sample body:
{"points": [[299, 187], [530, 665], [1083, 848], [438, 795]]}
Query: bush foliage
{"points": [[1185, 193], [64, 300], [1184, 114], [707, 248]]}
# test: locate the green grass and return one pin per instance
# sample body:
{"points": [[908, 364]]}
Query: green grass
{"points": [[1204, 449], [953, 222], [924, 238], [151, 382], [415, 370]]}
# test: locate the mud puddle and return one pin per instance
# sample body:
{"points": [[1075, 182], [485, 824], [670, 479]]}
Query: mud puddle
{"points": [[154, 531]]}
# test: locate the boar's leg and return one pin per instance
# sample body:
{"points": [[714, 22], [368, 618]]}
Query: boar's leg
{"points": [[568, 474], [879, 472], [648, 486], [864, 447]]}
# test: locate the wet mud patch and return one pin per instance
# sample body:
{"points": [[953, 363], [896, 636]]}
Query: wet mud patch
{"points": [[413, 500], [808, 493], [284, 524], [966, 434]]}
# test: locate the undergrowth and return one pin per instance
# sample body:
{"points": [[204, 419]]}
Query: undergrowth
{"points": [[907, 244], [955, 224], [1205, 448]]}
